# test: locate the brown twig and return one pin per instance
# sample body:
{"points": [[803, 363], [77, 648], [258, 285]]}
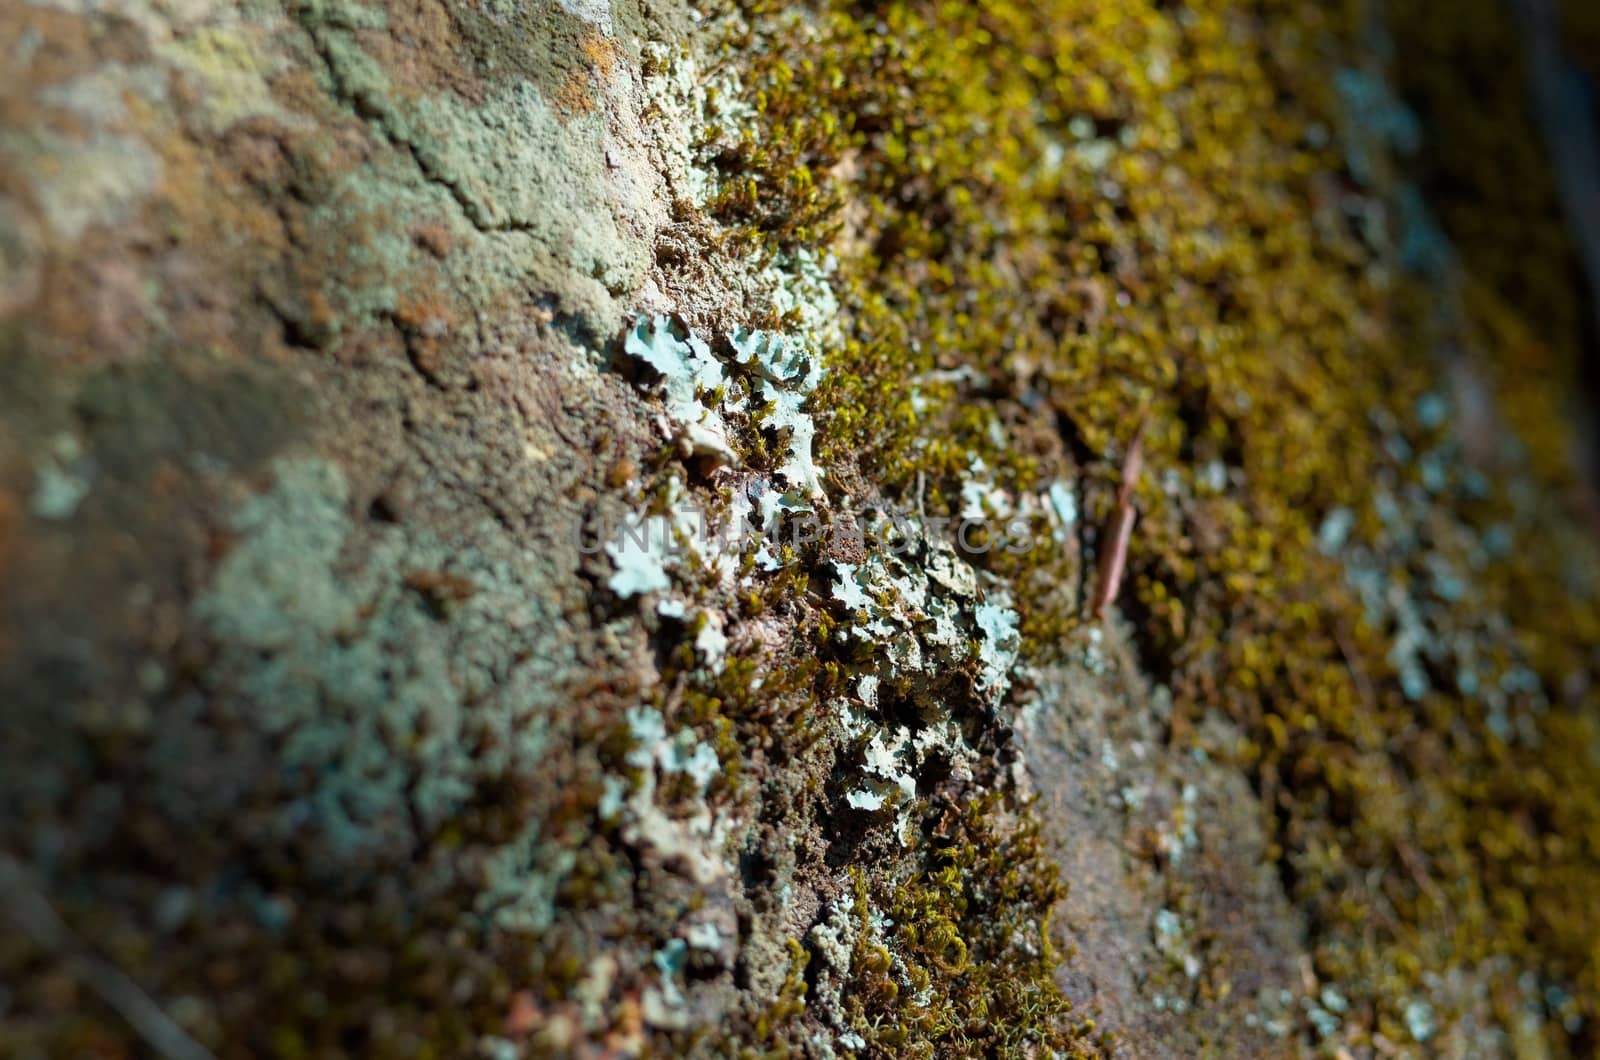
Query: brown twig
{"points": [[32, 913], [1119, 531]]}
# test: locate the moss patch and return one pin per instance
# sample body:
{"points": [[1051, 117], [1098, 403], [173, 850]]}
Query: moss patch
{"points": [[1063, 219]]}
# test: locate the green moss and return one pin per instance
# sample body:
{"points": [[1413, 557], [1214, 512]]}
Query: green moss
{"points": [[791, 1001], [964, 965], [1099, 213]]}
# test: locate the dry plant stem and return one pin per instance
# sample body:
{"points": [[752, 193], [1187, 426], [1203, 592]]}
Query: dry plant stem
{"points": [[1119, 531], [32, 914]]}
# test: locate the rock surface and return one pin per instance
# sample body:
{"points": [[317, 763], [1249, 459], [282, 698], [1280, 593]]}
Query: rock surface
{"points": [[569, 528]]}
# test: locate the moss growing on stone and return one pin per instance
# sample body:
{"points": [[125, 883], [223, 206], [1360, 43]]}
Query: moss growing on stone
{"points": [[1053, 219]]}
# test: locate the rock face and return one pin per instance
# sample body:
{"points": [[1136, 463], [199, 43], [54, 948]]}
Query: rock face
{"points": [[570, 528]]}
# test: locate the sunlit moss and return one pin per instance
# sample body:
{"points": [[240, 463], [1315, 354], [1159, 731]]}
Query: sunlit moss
{"points": [[1104, 212]]}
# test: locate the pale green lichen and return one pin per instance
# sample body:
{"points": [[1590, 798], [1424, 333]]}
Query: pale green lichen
{"points": [[360, 680], [94, 180], [789, 372], [61, 479], [688, 374], [554, 201], [925, 614], [233, 65], [785, 372], [1173, 941], [833, 940], [1001, 642], [640, 552]]}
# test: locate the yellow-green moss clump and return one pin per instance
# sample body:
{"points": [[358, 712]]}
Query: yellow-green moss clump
{"points": [[1358, 534]]}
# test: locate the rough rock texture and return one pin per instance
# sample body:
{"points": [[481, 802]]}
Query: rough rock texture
{"points": [[571, 529]]}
